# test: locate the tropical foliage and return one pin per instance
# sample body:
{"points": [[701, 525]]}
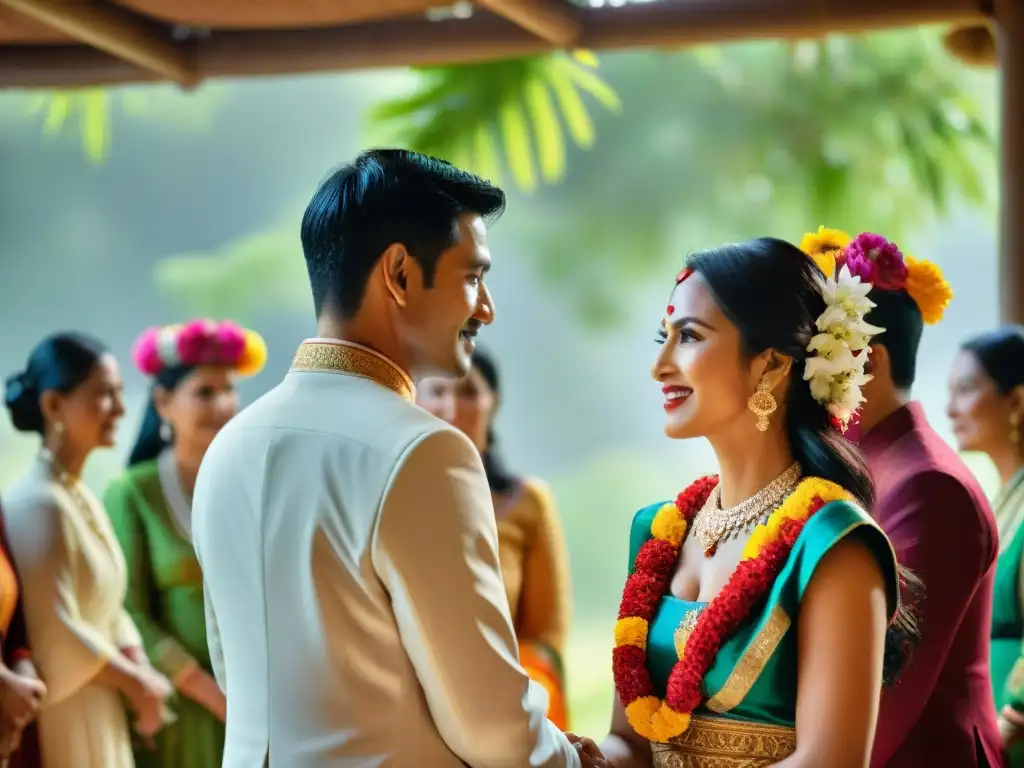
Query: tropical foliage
{"points": [[878, 132], [468, 114]]}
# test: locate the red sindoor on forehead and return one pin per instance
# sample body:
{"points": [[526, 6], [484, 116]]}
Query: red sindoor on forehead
{"points": [[685, 273]]}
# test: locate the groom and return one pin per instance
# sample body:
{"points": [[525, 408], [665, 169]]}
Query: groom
{"points": [[355, 611]]}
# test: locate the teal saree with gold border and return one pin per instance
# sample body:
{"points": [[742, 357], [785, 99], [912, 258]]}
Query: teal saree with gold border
{"points": [[748, 717]]}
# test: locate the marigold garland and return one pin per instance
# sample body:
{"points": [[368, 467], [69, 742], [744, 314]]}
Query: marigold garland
{"points": [[764, 556]]}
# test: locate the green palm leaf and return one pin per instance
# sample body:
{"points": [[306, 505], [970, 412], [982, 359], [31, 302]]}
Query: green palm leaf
{"points": [[91, 111], [461, 113], [89, 106]]}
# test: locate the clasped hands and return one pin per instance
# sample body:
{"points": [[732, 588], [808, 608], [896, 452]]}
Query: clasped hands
{"points": [[21, 695], [587, 749]]}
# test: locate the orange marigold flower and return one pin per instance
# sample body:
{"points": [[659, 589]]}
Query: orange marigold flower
{"points": [[668, 525], [928, 288], [631, 630]]}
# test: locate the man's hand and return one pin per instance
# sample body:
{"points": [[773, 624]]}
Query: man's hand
{"points": [[590, 754], [1011, 726]]}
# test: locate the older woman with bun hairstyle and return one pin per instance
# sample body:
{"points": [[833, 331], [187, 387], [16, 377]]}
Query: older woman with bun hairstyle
{"points": [[193, 368], [73, 575]]}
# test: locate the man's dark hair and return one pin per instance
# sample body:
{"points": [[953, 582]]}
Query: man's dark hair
{"points": [[899, 315], [386, 196]]}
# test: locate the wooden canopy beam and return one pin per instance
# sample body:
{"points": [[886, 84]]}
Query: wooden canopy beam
{"points": [[113, 30], [555, 23], [485, 37]]}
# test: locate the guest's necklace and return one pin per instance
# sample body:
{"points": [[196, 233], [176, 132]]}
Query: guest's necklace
{"points": [[715, 525], [73, 486]]}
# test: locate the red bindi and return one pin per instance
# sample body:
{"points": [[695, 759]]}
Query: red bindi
{"points": [[670, 310]]}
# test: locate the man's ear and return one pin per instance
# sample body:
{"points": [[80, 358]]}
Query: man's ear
{"points": [[878, 361], [394, 264], [1017, 401]]}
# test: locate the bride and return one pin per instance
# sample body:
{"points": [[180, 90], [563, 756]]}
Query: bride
{"points": [[762, 611]]}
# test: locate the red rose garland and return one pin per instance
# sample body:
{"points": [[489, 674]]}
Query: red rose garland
{"points": [[764, 556]]}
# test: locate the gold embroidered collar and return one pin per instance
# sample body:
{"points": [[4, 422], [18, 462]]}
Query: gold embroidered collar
{"points": [[353, 360]]}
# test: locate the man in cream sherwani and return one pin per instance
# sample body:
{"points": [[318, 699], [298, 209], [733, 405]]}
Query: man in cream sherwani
{"points": [[355, 609]]}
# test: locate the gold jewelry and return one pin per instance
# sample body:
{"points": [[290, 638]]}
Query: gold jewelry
{"points": [[71, 484], [714, 524], [762, 403]]}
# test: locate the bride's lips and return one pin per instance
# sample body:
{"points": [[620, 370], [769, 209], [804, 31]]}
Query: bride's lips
{"points": [[675, 396]]}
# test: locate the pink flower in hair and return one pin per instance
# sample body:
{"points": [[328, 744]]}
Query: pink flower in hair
{"points": [[230, 341], [196, 345], [146, 353], [876, 260]]}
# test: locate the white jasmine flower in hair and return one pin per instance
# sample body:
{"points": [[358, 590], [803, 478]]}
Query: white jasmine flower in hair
{"points": [[845, 296]]}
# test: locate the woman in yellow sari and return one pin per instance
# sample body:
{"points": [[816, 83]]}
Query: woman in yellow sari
{"points": [[531, 546]]}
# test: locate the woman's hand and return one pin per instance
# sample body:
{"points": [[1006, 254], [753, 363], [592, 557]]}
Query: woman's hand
{"points": [[20, 696], [199, 685], [147, 698], [10, 739]]}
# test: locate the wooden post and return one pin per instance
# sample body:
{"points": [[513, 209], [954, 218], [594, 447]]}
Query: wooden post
{"points": [[1010, 37]]}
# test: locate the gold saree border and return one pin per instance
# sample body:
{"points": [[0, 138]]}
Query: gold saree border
{"points": [[752, 663], [717, 742], [355, 361]]}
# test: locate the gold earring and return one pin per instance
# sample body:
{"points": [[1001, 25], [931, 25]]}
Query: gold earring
{"points": [[762, 403]]}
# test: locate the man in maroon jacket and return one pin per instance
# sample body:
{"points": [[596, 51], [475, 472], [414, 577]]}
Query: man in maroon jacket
{"points": [[940, 712]]}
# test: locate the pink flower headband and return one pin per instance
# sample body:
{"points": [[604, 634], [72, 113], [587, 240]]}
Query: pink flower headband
{"points": [[200, 342]]}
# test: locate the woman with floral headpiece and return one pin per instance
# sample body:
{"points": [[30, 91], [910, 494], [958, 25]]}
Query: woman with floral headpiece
{"points": [[193, 368], [762, 613]]}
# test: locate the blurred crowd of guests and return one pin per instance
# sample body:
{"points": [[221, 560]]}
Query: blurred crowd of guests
{"points": [[105, 658]]}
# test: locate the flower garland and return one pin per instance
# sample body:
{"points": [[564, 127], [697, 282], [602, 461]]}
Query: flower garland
{"points": [[764, 556]]}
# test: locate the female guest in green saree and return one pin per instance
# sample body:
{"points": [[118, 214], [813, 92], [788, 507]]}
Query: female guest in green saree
{"points": [[761, 613], [193, 367], [986, 408]]}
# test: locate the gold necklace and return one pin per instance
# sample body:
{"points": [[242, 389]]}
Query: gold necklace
{"points": [[714, 524], [72, 485]]}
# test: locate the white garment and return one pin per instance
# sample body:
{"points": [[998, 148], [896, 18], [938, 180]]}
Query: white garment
{"points": [[349, 549]]}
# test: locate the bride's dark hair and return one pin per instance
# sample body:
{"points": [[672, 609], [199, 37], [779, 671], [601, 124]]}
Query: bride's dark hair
{"points": [[771, 291]]}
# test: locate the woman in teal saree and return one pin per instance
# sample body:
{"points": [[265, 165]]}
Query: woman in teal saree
{"points": [[771, 578], [986, 408]]}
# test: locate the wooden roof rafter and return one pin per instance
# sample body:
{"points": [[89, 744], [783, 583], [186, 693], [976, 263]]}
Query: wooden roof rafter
{"points": [[113, 30], [110, 42], [554, 23]]}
